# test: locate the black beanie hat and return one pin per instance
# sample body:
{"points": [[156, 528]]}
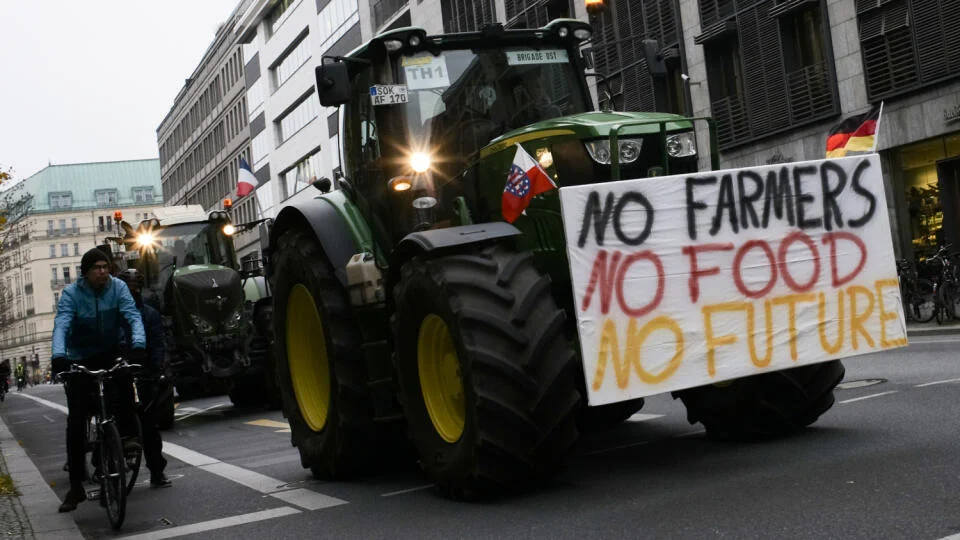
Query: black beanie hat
{"points": [[91, 258]]}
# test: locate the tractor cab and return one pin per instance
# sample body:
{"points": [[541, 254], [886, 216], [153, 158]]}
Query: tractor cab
{"points": [[431, 124]]}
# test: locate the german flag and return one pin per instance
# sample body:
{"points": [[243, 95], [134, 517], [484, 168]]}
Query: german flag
{"points": [[855, 135]]}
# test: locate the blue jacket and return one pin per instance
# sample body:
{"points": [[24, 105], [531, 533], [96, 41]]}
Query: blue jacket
{"points": [[89, 323]]}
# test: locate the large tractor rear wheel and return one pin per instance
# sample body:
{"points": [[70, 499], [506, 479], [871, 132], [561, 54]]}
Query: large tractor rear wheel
{"points": [[763, 406], [318, 362], [486, 376]]}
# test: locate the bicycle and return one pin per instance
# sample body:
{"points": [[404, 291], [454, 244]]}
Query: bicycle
{"points": [[947, 285], [918, 294], [105, 441]]}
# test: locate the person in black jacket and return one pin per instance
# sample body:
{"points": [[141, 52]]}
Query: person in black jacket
{"points": [[148, 383]]}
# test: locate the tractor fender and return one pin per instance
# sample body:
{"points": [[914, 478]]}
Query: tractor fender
{"points": [[328, 226], [441, 241]]}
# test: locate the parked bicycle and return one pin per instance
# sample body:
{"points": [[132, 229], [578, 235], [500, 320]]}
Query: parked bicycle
{"points": [[114, 457], [918, 294], [947, 284]]}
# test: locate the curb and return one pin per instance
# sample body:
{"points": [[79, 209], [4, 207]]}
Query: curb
{"points": [[936, 330], [37, 497]]}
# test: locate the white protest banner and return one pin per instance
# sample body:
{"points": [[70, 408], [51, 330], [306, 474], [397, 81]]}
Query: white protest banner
{"points": [[686, 280]]}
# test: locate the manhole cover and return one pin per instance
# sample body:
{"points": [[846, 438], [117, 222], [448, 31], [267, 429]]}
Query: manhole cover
{"points": [[848, 385]]}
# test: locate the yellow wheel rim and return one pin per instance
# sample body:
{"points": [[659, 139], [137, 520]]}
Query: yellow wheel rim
{"points": [[307, 358], [440, 379]]}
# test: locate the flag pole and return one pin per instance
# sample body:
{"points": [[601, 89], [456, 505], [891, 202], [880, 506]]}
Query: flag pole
{"points": [[876, 131]]}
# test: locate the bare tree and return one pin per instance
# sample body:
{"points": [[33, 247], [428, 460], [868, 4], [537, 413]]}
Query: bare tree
{"points": [[15, 206]]}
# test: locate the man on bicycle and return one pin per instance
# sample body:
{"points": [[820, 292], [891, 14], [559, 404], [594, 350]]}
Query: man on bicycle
{"points": [[149, 381], [86, 331]]}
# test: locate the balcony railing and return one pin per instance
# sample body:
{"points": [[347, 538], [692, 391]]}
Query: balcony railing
{"points": [[732, 122], [36, 337]]}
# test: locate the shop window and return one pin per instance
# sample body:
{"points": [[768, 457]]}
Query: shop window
{"points": [[931, 182]]}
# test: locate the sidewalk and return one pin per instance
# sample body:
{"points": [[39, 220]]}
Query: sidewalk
{"points": [[932, 329], [33, 512]]}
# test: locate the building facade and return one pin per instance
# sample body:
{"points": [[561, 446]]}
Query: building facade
{"points": [[206, 133], [70, 211], [775, 74]]}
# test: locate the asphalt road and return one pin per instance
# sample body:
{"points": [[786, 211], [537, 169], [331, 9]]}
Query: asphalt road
{"points": [[883, 463]]}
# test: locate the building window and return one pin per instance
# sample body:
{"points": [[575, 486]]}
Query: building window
{"points": [[291, 61], [384, 9], [143, 194], [54, 276], [301, 115], [64, 252], [100, 224], [61, 200], [56, 299], [302, 174], [767, 67], [49, 227], [106, 197], [63, 226], [278, 14], [908, 44], [535, 13], [76, 248], [53, 250], [466, 15], [66, 274], [618, 53], [73, 226], [260, 146], [335, 19]]}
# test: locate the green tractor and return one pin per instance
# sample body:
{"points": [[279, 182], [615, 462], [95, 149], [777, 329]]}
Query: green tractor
{"points": [[409, 317], [215, 314]]}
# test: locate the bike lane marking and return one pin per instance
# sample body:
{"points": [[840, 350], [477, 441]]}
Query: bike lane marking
{"points": [[214, 524], [304, 498], [868, 397]]}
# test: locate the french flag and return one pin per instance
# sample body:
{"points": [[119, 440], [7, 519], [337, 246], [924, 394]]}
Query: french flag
{"points": [[246, 181], [526, 180]]}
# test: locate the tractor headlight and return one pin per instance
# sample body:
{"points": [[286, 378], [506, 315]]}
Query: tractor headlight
{"points": [[682, 145], [202, 325], [146, 239], [600, 150], [420, 162], [233, 321]]}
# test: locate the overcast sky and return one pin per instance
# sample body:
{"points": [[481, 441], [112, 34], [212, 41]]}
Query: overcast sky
{"points": [[91, 80]]}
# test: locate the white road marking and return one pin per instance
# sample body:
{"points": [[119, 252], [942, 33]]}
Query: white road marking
{"points": [[640, 417], [48, 419], [951, 537], [201, 411], [50, 404], [620, 447], [253, 480], [214, 524], [868, 397], [858, 384], [938, 382], [411, 490]]}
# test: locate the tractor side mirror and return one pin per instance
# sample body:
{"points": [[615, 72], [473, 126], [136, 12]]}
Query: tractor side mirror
{"points": [[655, 62], [323, 184], [333, 83]]}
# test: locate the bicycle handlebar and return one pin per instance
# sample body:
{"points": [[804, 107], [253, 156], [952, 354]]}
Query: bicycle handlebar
{"points": [[79, 368]]}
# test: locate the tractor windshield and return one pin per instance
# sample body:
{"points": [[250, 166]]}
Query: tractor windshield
{"points": [[468, 97], [192, 243]]}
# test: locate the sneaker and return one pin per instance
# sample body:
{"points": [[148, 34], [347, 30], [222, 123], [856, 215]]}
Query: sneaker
{"points": [[160, 480], [74, 497]]}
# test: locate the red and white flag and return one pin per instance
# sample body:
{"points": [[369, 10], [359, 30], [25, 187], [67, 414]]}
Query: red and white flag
{"points": [[526, 180], [246, 181]]}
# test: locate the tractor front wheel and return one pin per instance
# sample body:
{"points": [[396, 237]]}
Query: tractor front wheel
{"points": [[318, 362], [763, 406], [486, 376]]}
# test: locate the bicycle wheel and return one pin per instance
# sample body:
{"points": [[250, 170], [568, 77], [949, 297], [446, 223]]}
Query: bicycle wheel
{"points": [[950, 296], [134, 456], [112, 484], [921, 302]]}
